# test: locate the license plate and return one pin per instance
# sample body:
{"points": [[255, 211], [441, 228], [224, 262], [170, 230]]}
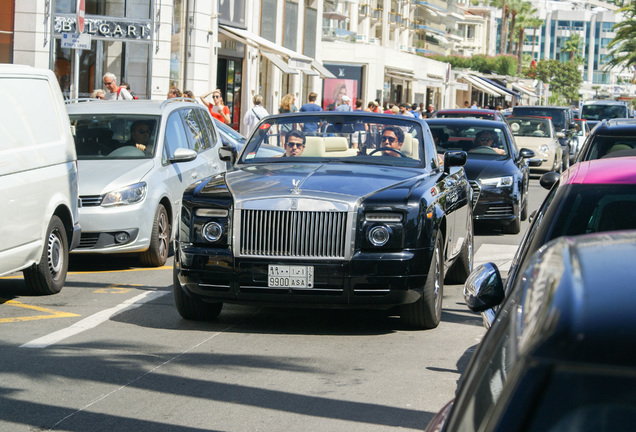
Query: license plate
{"points": [[289, 276]]}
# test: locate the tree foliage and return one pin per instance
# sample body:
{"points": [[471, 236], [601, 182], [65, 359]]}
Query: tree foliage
{"points": [[500, 65], [622, 49], [564, 78]]}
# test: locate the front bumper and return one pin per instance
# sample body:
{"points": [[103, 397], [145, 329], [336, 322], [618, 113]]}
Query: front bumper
{"points": [[497, 205], [369, 280]]}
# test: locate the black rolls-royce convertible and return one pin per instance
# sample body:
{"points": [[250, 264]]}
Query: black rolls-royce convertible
{"points": [[356, 211]]}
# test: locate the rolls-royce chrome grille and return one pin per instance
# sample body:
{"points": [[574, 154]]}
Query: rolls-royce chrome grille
{"points": [[302, 234]]}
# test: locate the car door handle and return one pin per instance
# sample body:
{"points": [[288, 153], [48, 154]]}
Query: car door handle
{"points": [[195, 174]]}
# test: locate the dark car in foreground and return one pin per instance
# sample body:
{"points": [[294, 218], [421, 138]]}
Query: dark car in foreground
{"points": [[610, 138], [359, 214], [497, 170], [477, 113], [590, 197], [560, 355]]}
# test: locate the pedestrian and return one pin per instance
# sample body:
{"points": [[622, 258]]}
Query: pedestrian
{"points": [[255, 114], [174, 93], [430, 111], [344, 104], [466, 104], [388, 108], [188, 94], [358, 105], [404, 110], [415, 110], [311, 106], [115, 92], [370, 107], [98, 94], [474, 105], [395, 110], [287, 106], [217, 109]]}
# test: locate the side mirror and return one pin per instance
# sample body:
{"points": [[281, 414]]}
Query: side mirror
{"points": [[525, 153], [560, 135], [454, 158], [548, 179], [183, 155], [484, 288], [227, 153]]}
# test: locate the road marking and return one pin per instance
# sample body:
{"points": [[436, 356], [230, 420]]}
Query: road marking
{"points": [[502, 255], [50, 313], [20, 276], [93, 320], [116, 289]]}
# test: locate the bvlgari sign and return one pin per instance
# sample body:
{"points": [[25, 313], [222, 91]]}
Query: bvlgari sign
{"points": [[106, 28]]}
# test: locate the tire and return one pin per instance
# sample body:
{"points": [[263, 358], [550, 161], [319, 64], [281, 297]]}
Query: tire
{"points": [[513, 227], [48, 276], [462, 267], [192, 308], [157, 253], [426, 312]]}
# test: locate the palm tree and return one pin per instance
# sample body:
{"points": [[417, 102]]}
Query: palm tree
{"points": [[535, 23], [572, 46], [501, 4], [622, 49], [514, 6]]}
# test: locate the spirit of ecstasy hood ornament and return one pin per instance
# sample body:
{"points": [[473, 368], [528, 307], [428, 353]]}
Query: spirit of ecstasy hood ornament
{"points": [[296, 189]]}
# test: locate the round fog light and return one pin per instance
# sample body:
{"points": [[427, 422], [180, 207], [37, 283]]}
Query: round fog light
{"points": [[379, 236], [212, 231], [122, 237]]}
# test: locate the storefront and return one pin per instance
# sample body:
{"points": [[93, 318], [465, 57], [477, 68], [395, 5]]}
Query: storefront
{"points": [[347, 81], [121, 40]]}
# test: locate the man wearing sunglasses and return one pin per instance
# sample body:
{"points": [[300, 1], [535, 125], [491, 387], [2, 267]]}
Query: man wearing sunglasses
{"points": [[115, 92], [488, 139], [392, 139], [294, 143], [140, 132]]}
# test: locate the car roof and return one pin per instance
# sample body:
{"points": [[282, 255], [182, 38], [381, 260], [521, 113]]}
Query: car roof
{"points": [[466, 121], [541, 107], [604, 102], [586, 315], [618, 170], [616, 127], [467, 111], [135, 107]]}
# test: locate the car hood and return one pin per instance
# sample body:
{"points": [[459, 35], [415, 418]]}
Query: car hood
{"points": [[101, 176], [488, 168], [534, 143], [345, 182]]}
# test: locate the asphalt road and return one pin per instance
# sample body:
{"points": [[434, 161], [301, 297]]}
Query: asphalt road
{"points": [[111, 353]]}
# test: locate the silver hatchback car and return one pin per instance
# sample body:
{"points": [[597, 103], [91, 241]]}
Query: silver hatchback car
{"points": [[135, 160]]}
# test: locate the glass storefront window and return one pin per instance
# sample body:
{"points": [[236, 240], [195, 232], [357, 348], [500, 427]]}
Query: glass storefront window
{"points": [[291, 25], [176, 42], [129, 8], [311, 21], [268, 20]]}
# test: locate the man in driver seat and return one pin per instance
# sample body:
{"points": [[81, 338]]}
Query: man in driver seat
{"points": [[487, 139], [140, 132], [392, 138]]}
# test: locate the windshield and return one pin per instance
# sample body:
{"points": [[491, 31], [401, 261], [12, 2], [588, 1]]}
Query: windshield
{"points": [[477, 141], [114, 136], [603, 112], [557, 115], [351, 138], [605, 145], [530, 127]]}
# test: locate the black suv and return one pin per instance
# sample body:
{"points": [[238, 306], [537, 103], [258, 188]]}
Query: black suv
{"points": [[610, 138], [563, 120]]}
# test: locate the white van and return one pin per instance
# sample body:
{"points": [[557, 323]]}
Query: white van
{"points": [[38, 179]]}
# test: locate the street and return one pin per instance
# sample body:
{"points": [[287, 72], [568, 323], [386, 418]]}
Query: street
{"points": [[110, 352]]}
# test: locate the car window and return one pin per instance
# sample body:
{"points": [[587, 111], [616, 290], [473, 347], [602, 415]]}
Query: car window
{"points": [[559, 116], [114, 136], [175, 136], [530, 127], [471, 140], [601, 146], [364, 139], [196, 131], [206, 120]]}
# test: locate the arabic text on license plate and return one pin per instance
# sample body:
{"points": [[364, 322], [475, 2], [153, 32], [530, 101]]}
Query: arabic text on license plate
{"points": [[289, 276]]}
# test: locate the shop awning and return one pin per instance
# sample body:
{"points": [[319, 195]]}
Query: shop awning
{"points": [[481, 86], [400, 73], [500, 87], [428, 82], [277, 53], [492, 87], [524, 90]]}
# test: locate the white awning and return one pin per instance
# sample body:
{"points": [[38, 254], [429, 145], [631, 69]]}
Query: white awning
{"points": [[490, 86], [288, 61], [524, 90], [400, 73], [482, 87], [279, 63], [429, 82]]}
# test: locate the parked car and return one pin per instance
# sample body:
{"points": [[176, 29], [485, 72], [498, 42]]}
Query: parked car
{"points": [[562, 119], [135, 160], [592, 196], [538, 134], [478, 113], [38, 179], [343, 219], [231, 137], [499, 175], [610, 138], [559, 357], [581, 132], [596, 111]]}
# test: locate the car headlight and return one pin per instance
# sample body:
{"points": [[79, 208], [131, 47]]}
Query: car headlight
{"points": [[212, 231], [497, 181], [543, 148], [129, 195], [379, 235]]}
